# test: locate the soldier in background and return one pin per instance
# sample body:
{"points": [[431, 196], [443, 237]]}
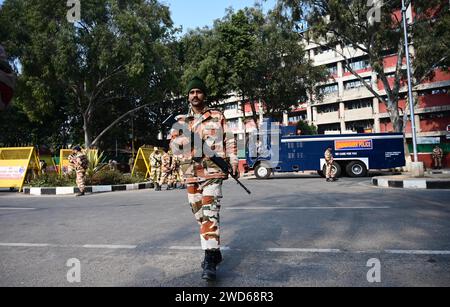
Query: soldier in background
{"points": [[166, 170], [437, 155], [329, 165], [177, 134], [81, 164], [155, 164]]}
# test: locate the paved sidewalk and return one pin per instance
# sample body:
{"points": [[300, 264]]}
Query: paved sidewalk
{"points": [[433, 179]]}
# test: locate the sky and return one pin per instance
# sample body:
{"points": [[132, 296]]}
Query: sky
{"points": [[191, 14]]}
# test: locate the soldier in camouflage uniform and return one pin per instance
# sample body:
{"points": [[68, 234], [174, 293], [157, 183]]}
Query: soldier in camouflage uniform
{"points": [[155, 167], [81, 164], [437, 155], [206, 127], [167, 168], [329, 165], [177, 158]]}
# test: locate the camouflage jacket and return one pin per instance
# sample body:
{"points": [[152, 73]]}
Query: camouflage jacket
{"points": [[213, 132], [167, 163], [437, 153], [81, 162], [155, 159], [328, 156]]}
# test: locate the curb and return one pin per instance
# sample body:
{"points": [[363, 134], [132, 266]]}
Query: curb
{"points": [[411, 183], [91, 189]]}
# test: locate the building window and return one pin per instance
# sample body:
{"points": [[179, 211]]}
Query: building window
{"points": [[333, 128], [297, 118], [358, 64], [359, 126], [329, 89], [233, 123], [356, 83], [328, 108], [231, 106], [332, 69], [358, 104]]}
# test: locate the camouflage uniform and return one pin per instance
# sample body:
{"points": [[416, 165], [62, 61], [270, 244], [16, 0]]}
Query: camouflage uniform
{"points": [[437, 155], [166, 169], [155, 164], [203, 177], [81, 164], [71, 166], [329, 164]]}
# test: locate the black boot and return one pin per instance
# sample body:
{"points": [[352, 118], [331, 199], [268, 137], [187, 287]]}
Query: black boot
{"points": [[157, 187], [209, 267], [217, 258]]}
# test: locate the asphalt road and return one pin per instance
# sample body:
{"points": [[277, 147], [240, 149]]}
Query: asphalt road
{"points": [[292, 231]]}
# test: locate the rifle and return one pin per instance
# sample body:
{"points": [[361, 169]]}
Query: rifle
{"points": [[226, 168]]}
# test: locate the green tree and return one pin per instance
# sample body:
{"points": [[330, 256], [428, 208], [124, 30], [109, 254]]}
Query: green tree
{"points": [[249, 54], [305, 128], [115, 59]]}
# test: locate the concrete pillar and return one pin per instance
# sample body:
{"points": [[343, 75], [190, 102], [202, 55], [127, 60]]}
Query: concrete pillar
{"points": [[340, 70], [343, 128], [417, 123], [285, 119], [309, 115], [342, 110]]}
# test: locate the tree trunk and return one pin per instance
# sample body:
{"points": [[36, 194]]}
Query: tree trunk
{"points": [[87, 132]]}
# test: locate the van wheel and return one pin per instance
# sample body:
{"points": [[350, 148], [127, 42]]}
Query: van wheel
{"points": [[356, 169], [336, 170], [262, 171], [321, 174]]}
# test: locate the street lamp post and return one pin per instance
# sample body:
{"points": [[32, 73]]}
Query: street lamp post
{"points": [[410, 95]]}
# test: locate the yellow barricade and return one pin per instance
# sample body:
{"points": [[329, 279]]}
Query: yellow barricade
{"points": [[15, 162], [142, 161]]}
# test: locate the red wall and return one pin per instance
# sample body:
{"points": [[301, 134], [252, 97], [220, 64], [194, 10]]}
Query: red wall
{"points": [[360, 71], [391, 61], [387, 127], [439, 76], [428, 101], [428, 160], [435, 124]]}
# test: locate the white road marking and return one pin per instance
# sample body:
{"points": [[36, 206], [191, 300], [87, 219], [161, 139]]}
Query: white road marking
{"points": [[193, 248], [11, 208], [417, 252], [23, 245], [108, 246], [301, 208], [226, 248], [303, 250]]}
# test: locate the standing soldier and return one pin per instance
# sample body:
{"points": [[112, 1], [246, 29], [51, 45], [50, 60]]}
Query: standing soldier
{"points": [[207, 128], [81, 164], [329, 165], [437, 155], [177, 134], [166, 170], [155, 164]]}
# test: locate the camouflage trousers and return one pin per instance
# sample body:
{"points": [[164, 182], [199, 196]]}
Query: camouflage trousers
{"points": [[167, 176], [329, 169], [81, 179], [155, 174], [204, 199], [437, 161]]}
